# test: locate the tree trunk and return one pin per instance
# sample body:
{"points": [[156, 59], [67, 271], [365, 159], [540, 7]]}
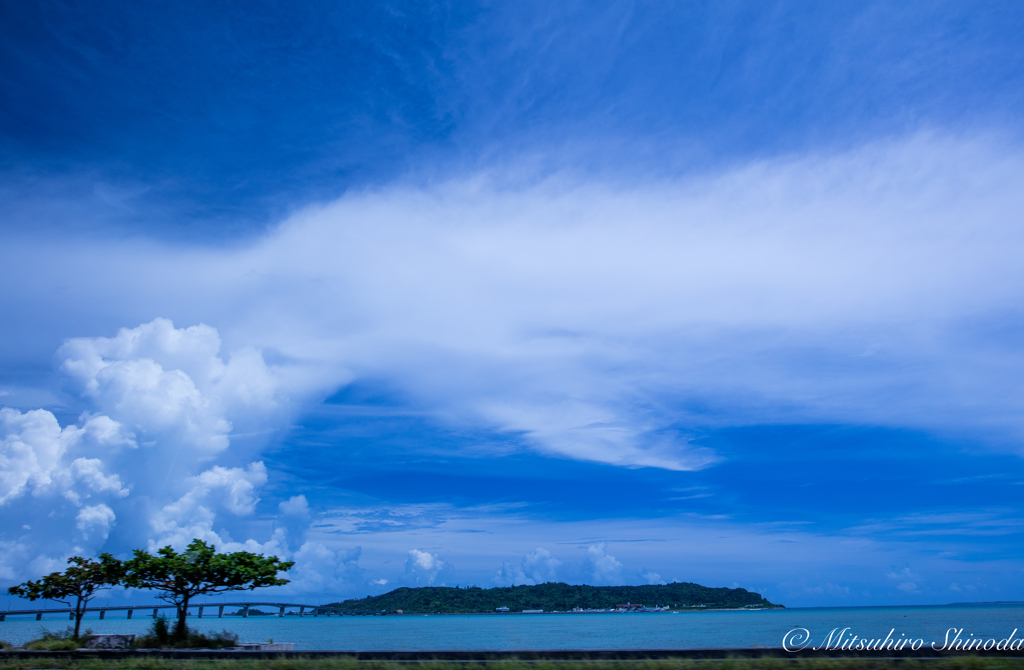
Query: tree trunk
{"points": [[79, 613], [181, 628]]}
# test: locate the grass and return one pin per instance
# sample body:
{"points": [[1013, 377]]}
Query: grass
{"points": [[298, 663], [159, 636], [63, 640]]}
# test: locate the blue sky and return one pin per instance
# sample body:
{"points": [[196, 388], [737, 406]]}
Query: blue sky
{"points": [[503, 293]]}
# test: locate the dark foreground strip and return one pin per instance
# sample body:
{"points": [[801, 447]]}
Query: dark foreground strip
{"points": [[471, 656]]}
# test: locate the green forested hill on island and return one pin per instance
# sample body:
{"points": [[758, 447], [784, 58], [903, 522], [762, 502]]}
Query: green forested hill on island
{"points": [[552, 596]]}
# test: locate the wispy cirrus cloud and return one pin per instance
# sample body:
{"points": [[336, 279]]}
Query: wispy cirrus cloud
{"points": [[611, 322]]}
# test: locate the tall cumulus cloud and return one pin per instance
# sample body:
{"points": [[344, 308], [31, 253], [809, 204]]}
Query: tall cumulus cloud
{"points": [[138, 466]]}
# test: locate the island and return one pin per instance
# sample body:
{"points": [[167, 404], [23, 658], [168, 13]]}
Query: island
{"points": [[556, 597]]}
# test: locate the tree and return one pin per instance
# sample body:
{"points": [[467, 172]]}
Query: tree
{"points": [[77, 584], [200, 570]]}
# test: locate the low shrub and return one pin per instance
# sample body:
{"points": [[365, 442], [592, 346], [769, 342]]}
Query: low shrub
{"points": [[62, 640], [160, 636]]}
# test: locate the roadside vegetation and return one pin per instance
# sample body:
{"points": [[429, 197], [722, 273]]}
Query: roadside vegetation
{"points": [[64, 640], [300, 663], [161, 636]]}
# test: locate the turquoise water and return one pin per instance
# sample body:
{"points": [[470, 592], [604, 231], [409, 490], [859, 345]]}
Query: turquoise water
{"points": [[662, 630]]}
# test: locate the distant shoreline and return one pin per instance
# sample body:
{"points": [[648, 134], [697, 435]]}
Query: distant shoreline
{"points": [[679, 611]]}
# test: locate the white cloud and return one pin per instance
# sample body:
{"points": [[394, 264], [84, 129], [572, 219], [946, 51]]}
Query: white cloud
{"points": [[296, 506], [34, 450], [650, 576], [104, 431], [423, 568], [829, 589], [181, 401], [192, 515], [902, 573], [95, 519], [167, 404], [89, 471], [125, 376], [55, 500], [295, 517], [237, 486], [600, 569], [173, 386], [321, 570], [30, 451], [536, 567]]}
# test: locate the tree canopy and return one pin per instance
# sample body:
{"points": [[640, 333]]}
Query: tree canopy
{"points": [[200, 570], [76, 586]]}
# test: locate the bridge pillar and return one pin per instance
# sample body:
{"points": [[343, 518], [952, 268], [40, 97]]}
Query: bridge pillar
{"points": [[280, 612], [39, 615], [154, 612], [130, 613], [302, 611], [3, 617], [245, 613], [220, 612], [103, 614], [200, 611], [71, 616]]}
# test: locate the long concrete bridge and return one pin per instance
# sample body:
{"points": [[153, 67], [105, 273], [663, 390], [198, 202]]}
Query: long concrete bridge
{"points": [[314, 610]]}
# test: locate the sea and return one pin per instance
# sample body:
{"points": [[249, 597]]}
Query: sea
{"points": [[634, 630]]}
